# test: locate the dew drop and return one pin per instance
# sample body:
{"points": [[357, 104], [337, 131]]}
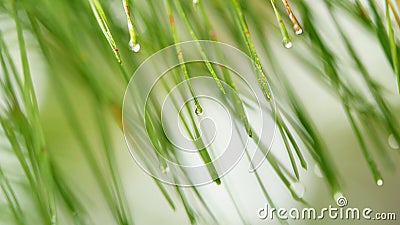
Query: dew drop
{"points": [[379, 182], [198, 110], [298, 31], [392, 142], [299, 189], [287, 43], [317, 171], [134, 47]]}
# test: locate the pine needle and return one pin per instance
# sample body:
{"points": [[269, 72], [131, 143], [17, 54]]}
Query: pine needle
{"points": [[101, 18]]}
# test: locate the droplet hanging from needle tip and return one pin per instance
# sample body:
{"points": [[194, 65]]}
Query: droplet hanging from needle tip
{"points": [[296, 26], [287, 44], [379, 182], [198, 110], [298, 30], [134, 47]]}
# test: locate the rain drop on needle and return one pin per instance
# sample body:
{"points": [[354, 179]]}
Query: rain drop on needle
{"points": [[134, 47], [198, 111], [287, 44]]}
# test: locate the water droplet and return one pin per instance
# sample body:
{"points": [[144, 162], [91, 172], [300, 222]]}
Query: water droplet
{"points": [[134, 47], [317, 171], [379, 182], [298, 31], [198, 110], [392, 142], [299, 189], [287, 43]]}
